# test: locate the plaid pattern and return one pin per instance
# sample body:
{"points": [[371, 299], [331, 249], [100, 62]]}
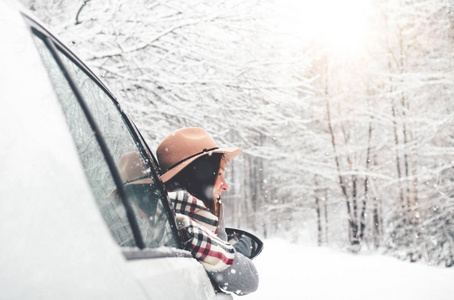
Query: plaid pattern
{"points": [[186, 204], [214, 254]]}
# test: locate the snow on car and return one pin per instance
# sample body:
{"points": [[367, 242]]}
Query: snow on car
{"points": [[70, 228]]}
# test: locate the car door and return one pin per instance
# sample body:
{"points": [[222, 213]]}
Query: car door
{"points": [[140, 221]]}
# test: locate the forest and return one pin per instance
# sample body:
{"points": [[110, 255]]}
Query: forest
{"points": [[344, 109]]}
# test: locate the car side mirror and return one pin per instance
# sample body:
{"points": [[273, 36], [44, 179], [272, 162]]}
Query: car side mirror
{"points": [[256, 243]]}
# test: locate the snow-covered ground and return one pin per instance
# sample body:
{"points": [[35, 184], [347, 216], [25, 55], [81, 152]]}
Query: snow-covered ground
{"points": [[289, 271]]}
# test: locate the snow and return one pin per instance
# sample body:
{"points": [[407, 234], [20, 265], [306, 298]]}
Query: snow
{"points": [[292, 271]]}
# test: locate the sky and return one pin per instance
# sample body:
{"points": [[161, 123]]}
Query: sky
{"points": [[342, 27], [295, 271]]}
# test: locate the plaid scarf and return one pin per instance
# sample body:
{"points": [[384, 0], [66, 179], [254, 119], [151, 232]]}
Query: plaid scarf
{"points": [[186, 204], [197, 226]]}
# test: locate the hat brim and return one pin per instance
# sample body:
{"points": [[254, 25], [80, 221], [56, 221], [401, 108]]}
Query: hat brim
{"points": [[140, 181], [229, 153]]}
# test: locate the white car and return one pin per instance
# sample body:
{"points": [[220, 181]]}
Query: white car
{"points": [[69, 226]]}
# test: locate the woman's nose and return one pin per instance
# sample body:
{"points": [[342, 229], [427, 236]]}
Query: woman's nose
{"points": [[224, 185]]}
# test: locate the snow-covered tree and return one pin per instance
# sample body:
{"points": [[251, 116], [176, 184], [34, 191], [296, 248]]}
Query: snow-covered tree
{"points": [[351, 147]]}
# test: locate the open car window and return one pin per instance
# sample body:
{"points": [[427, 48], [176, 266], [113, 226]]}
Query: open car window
{"points": [[138, 193]]}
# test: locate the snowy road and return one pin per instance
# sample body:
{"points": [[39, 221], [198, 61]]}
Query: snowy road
{"points": [[290, 271]]}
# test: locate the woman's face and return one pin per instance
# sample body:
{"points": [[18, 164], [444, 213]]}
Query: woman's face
{"points": [[220, 185]]}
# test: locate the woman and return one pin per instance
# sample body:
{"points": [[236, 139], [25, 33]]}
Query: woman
{"points": [[193, 168]]}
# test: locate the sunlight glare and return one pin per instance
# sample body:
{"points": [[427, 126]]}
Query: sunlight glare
{"points": [[338, 26]]}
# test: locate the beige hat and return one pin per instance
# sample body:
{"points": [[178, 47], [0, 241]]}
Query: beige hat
{"points": [[133, 170], [184, 146]]}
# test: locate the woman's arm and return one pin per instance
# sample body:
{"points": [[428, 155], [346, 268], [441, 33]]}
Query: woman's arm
{"points": [[240, 278], [231, 270]]}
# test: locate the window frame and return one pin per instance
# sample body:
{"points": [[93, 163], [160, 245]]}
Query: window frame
{"points": [[55, 46]]}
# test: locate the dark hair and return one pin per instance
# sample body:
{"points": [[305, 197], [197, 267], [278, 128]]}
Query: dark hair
{"points": [[198, 178]]}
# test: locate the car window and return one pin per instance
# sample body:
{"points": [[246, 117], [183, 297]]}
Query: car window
{"points": [[139, 180]]}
